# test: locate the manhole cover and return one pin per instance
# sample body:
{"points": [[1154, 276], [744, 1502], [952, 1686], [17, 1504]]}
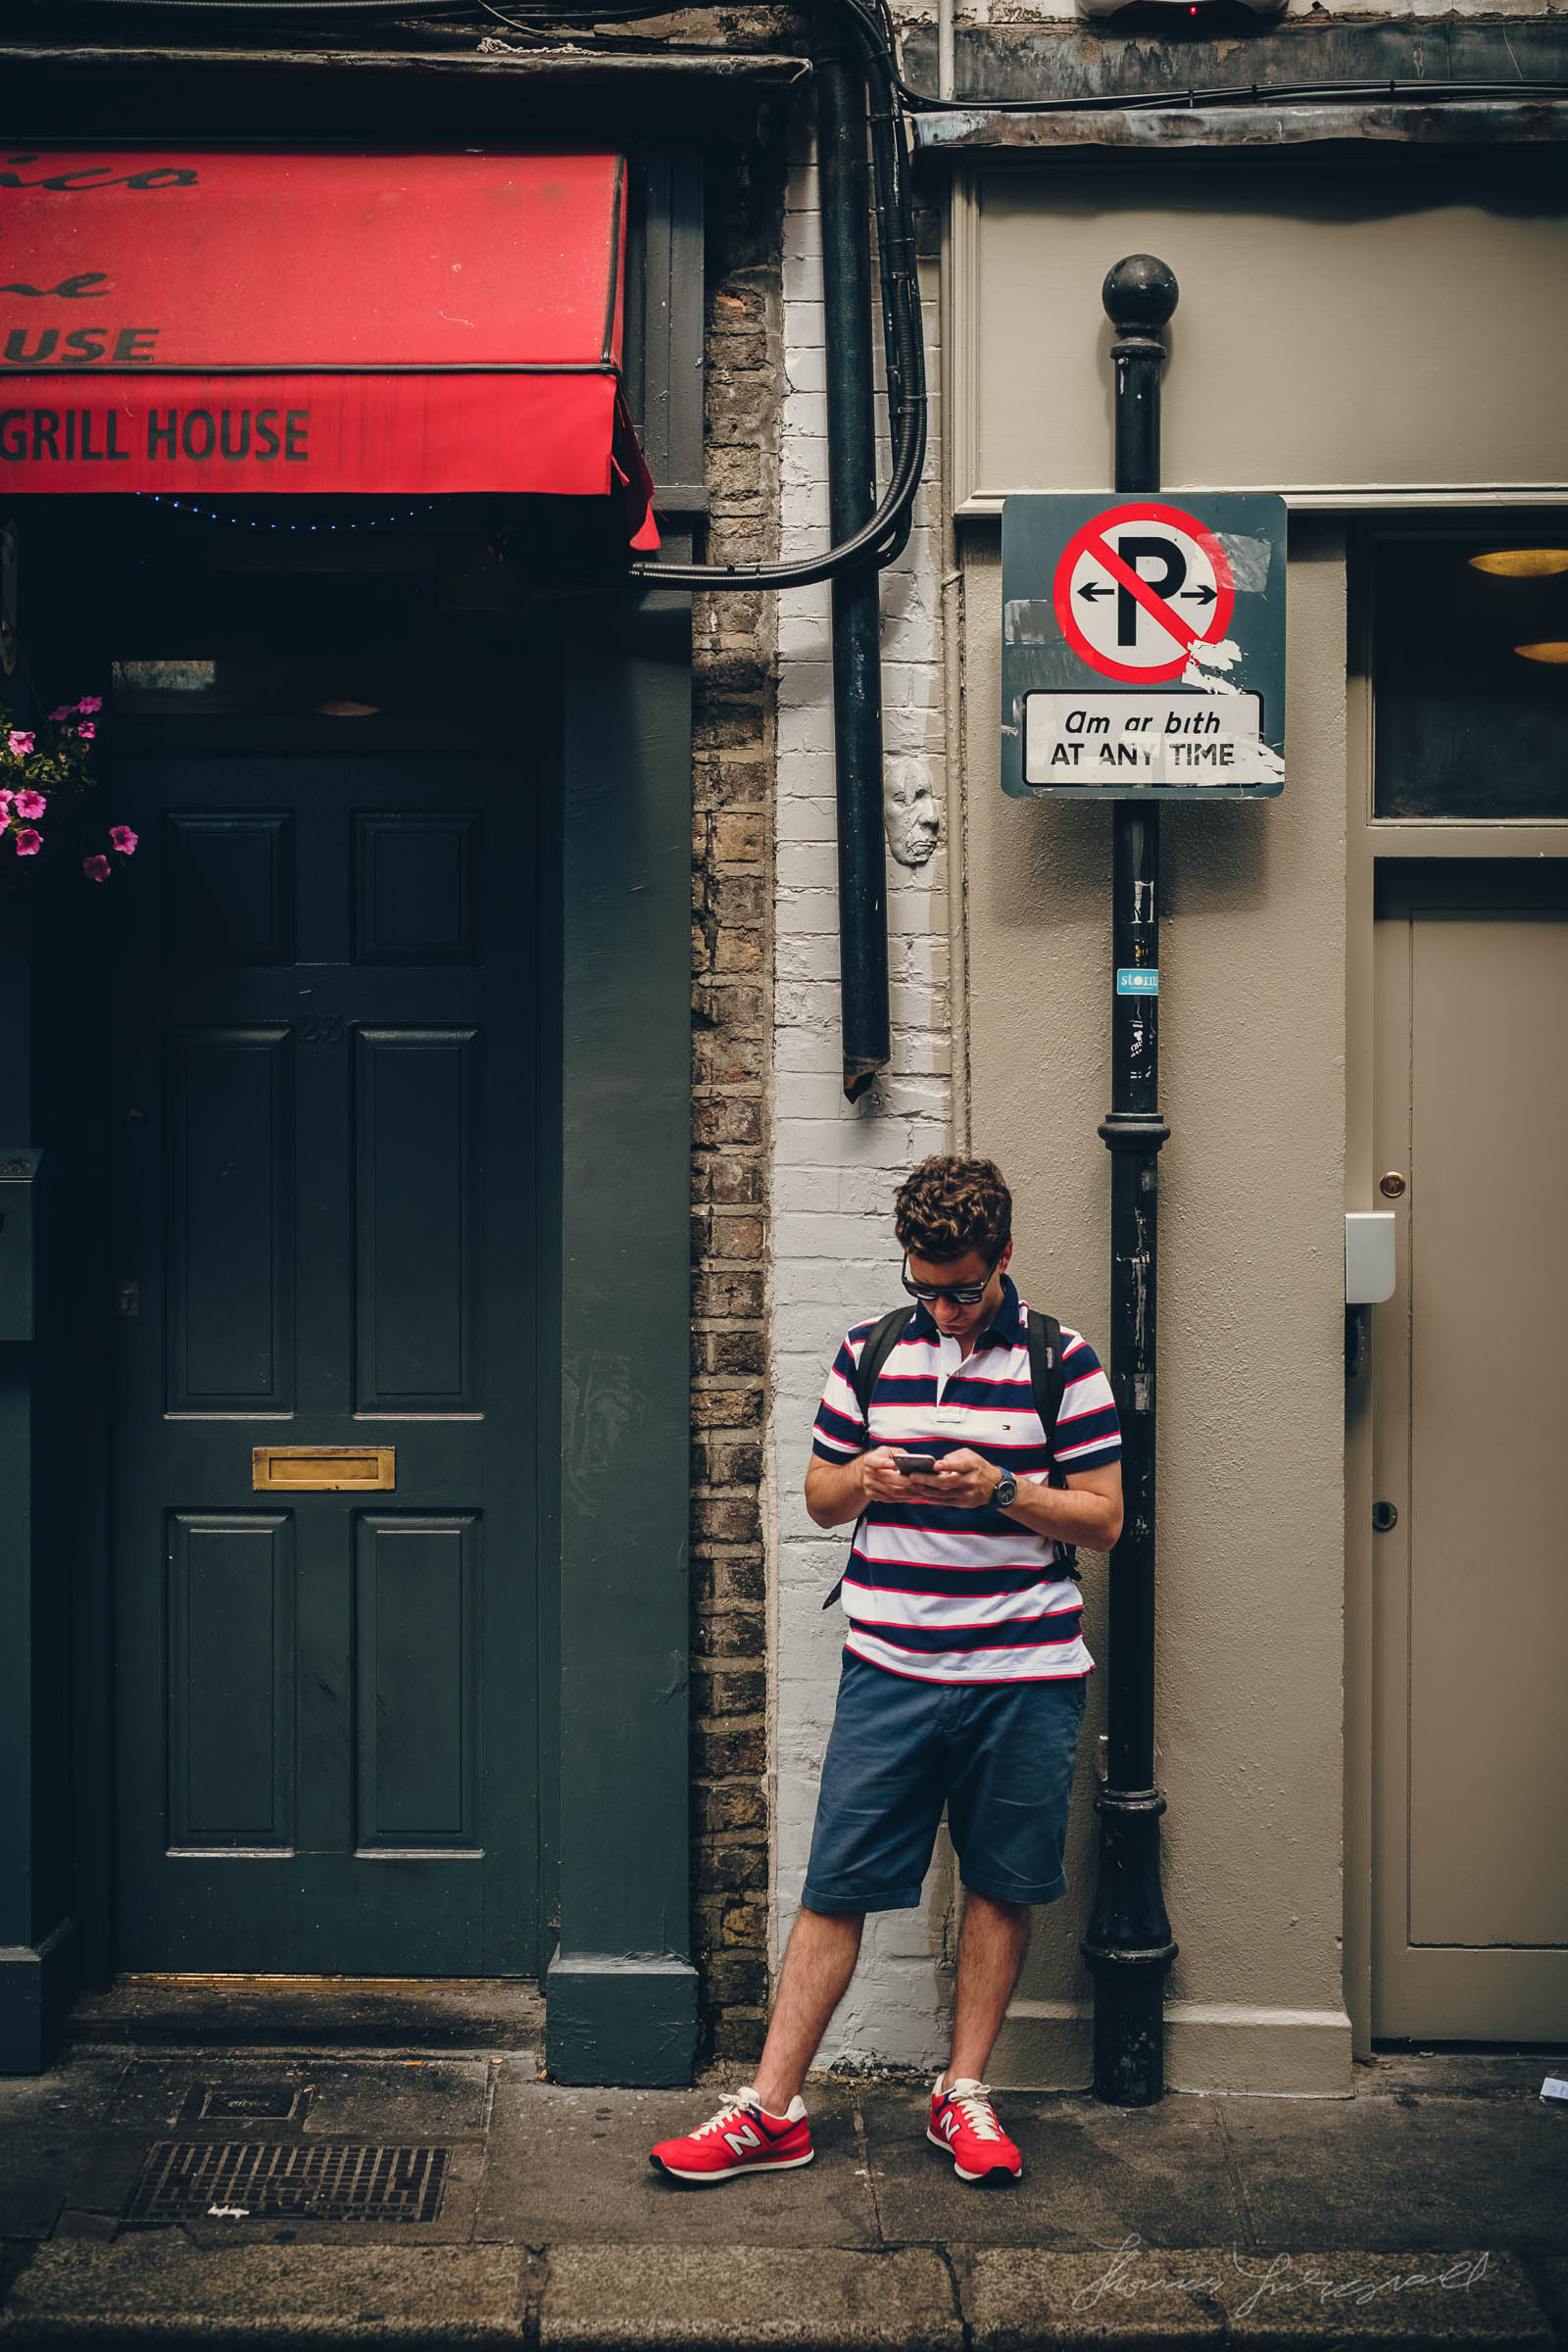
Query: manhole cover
{"points": [[299, 2180], [240, 2102]]}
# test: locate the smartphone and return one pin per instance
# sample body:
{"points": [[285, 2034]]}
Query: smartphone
{"points": [[915, 1465]]}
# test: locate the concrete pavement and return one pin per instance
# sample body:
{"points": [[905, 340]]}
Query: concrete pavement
{"points": [[494, 2207]]}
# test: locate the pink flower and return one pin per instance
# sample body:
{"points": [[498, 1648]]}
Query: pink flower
{"points": [[96, 868], [90, 702], [123, 839], [19, 744], [86, 730], [6, 799], [29, 843], [30, 804], [66, 711]]}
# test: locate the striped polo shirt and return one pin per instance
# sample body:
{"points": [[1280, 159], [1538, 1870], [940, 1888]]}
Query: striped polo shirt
{"points": [[965, 1596]]}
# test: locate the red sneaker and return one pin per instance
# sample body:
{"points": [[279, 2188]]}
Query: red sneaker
{"points": [[739, 2139], [964, 2124]]}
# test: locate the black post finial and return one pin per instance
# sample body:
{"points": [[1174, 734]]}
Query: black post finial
{"points": [[1140, 294]]}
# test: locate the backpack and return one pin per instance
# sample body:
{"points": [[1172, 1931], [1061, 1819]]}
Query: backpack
{"points": [[1046, 1379]]}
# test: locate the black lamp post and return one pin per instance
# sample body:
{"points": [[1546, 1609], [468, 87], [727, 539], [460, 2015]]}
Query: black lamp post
{"points": [[1128, 1946]]}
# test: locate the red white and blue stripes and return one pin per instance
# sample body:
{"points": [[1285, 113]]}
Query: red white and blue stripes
{"points": [[965, 1596]]}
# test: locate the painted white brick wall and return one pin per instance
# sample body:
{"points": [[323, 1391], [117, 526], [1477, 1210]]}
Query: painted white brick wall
{"points": [[835, 1167]]}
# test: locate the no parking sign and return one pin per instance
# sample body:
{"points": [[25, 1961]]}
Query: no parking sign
{"points": [[1144, 645]]}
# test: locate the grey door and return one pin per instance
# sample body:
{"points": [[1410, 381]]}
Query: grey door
{"points": [[1470, 1604], [326, 1696]]}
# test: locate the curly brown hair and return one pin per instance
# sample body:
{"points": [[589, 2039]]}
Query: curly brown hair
{"points": [[947, 1207]]}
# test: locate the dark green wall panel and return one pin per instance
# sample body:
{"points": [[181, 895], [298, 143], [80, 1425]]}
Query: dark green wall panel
{"points": [[625, 1307]]}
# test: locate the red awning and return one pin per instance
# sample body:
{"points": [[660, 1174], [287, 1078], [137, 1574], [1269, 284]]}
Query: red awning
{"points": [[232, 323]]}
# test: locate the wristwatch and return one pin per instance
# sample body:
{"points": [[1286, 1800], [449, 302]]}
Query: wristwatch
{"points": [[1006, 1491]]}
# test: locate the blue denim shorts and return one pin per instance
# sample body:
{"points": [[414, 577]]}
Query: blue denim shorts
{"points": [[1001, 1756]]}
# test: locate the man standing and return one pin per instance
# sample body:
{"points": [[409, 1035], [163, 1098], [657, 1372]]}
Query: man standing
{"points": [[964, 1673]]}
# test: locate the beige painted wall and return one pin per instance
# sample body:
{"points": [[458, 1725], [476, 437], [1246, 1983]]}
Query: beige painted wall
{"points": [[1405, 324], [1251, 1567]]}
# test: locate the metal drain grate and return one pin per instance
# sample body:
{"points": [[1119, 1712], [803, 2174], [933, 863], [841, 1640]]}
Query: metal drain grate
{"points": [[299, 2180]]}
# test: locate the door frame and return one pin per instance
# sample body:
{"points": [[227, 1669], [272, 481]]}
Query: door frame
{"points": [[1371, 842], [621, 1989]]}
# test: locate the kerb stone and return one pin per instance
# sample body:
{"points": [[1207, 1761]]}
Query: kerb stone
{"points": [[147, 2289], [1015, 2299], [827, 2300]]}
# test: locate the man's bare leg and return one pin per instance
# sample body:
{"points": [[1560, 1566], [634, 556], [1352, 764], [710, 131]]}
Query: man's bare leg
{"points": [[992, 1943], [819, 1964]]}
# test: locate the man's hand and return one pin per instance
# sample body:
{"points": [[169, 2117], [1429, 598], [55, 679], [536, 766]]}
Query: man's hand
{"points": [[836, 1492], [880, 1482], [962, 1481]]}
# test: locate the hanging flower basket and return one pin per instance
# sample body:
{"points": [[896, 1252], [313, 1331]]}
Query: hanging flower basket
{"points": [[46, 782]]}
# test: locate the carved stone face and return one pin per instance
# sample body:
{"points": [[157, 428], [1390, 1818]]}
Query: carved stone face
{"points": [[911, 811]]}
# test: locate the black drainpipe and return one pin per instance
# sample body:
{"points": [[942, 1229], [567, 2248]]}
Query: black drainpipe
{"points": [[846, 208]]}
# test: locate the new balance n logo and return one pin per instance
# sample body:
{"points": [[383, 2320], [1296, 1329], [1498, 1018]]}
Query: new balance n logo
{"points": [[950, 2122], [739, 2141]]}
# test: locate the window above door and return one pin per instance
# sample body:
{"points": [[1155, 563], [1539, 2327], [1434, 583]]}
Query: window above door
{"points": [[1468, 647]]}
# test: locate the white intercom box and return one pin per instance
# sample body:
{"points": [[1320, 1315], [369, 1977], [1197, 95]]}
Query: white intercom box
{"points": [[1368, 1257]]}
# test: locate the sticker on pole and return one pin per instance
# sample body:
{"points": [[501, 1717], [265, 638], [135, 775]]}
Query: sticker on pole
{"points": [[1138, 587], [1142, 645]]}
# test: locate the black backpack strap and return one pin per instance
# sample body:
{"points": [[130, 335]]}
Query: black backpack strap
{"points": [[1048, 1377], [880, 1342]]}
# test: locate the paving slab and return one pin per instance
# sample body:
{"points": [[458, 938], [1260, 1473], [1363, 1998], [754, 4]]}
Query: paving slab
{"points": [[635, 2298], [245, 2101], [1091, 2174], [568, 2164], [1393, 2173], [146, 2290], [361, 2098], [1014, 2298], [48, 2126], [1459, 2074]]}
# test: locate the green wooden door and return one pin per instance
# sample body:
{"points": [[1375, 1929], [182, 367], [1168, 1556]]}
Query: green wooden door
{"points": [[327, 1701]]}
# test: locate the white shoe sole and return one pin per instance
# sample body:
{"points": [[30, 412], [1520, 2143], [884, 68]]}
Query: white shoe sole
{"points": [[993, 2172], [778, 2164]]}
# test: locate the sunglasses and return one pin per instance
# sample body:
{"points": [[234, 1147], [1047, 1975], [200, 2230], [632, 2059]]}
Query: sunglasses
{"points": [[961, 1293]]}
